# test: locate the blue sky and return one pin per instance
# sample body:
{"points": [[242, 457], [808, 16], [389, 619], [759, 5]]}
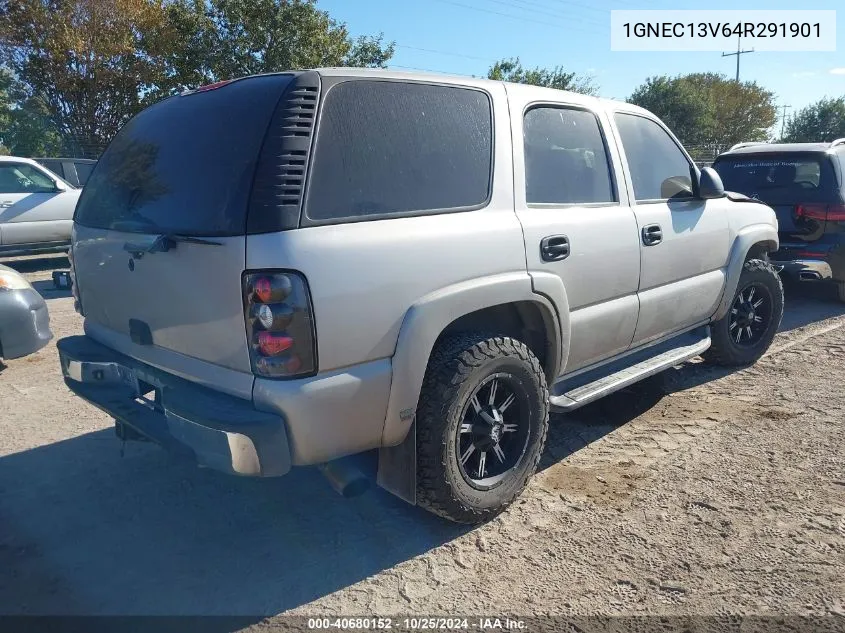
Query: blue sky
{"points": [[470, 35]]}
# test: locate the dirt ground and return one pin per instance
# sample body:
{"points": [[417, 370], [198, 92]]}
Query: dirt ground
{"points": [[701, 492]]}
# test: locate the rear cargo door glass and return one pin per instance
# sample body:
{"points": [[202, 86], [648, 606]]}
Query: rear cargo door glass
{"points": [[394, 148], [779, 178], [184, 165]]}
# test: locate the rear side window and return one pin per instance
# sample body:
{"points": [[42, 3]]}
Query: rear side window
{"points": [[83, 171], [785, 178], [55, 166], [393, 148], [184, 165], [659, 169], [565, 158]]}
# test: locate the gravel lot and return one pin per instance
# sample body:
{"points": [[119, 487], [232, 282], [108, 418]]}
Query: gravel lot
{"points": [[701, 492]]}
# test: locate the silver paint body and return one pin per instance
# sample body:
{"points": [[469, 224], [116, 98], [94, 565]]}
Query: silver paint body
{"points": [[36, 218], [383, 291]]}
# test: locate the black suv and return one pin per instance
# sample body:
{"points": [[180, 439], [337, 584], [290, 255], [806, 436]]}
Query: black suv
{"points": [[805, 184]]}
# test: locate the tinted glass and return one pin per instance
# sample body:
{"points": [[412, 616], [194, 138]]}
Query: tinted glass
{"points": [[22, 178], [658, 167], [55, 166], [83, 171], [775, 178], [390, 148], [565, 158], [184, 165]]}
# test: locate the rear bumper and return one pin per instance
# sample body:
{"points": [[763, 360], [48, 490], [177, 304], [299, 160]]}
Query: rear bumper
{"points": [[823, 260], [217, 430], [24, 323], [806, 269]]}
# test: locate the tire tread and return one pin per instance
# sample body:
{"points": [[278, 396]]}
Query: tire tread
{"points": [[452, 363]]}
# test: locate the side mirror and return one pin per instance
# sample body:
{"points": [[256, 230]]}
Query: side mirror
{"points": [[710, 184], [60, 186]]}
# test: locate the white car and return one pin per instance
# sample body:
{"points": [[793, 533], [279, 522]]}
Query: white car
{"points": [[36, 208]]}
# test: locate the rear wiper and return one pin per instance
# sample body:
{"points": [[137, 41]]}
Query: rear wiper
{"points": [[164, 243]]}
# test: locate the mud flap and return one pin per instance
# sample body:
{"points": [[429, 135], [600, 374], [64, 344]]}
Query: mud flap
{"points": [[397, 467]]}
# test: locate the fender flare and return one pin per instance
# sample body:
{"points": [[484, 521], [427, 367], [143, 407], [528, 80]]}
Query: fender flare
{"points": [[426, 319], [746, 238]]}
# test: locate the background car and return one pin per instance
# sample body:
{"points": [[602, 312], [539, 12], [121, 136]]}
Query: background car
{"points": [[805, 184], [36, 208], [24, 320], [73, 170]]}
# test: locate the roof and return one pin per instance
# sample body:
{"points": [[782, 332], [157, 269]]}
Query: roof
{"points": [[779, 148], [17, 159], [70, 160]]}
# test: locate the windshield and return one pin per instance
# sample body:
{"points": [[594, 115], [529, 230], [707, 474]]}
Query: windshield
{"points": [[184, 165], [777, 178]]}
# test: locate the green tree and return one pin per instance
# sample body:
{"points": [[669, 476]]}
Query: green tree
{"points": [[513, 71], [823, 121], [707, 111], [88, 61], [25, 126], [223, 39]]}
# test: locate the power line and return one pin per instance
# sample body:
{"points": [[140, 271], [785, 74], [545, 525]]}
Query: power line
{"points": [[560, 16], [432, 50], [427, 70], [507, 15]]}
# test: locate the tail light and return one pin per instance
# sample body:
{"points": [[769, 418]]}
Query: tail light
{"points": [[279, 324], [74, 289], [821, 212]]}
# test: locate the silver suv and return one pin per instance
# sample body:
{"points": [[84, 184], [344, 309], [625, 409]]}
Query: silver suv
{"points": [[290, 268]]}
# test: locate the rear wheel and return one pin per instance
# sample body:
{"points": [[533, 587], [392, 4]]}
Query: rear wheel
{"points": [[481, 426], [744, 334]]}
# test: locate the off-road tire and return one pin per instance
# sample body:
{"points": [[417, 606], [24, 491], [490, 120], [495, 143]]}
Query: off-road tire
{"points": [[458, 365], [724, 350]]}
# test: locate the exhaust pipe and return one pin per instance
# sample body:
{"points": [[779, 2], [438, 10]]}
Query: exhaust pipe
{"points": [[809, 275], [347, 480]]}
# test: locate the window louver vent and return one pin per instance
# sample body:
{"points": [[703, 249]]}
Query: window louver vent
{"points": [[280, 175]]}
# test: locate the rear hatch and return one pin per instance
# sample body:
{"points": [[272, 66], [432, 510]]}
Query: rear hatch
{"points": [[160, 229], [799, 186]]}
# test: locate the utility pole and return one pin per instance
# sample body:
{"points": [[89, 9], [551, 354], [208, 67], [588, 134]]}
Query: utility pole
{"points": [[783, 118], [738, 53]]}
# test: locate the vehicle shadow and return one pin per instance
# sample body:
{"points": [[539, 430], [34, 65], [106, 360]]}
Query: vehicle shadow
{"points": [[84, 531], [571, 432], [48, 290], [805, 304], [808, 303], [38, 263]]}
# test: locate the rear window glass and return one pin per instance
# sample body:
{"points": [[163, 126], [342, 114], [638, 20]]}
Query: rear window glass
{"points": [[565, 158], [783, 177], [184, 165], [386, 148]]}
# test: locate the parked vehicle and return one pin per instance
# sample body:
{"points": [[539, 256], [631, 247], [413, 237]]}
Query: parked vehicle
{"points": [[36, 208], [73, 170], [24, 320], [290, 268], [805, 184]]}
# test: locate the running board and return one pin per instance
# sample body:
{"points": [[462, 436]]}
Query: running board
{"points": [[572, 393]]}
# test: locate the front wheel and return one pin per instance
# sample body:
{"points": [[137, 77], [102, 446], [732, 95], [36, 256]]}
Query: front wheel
{"points": [[481, 426], [744, 334]]}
